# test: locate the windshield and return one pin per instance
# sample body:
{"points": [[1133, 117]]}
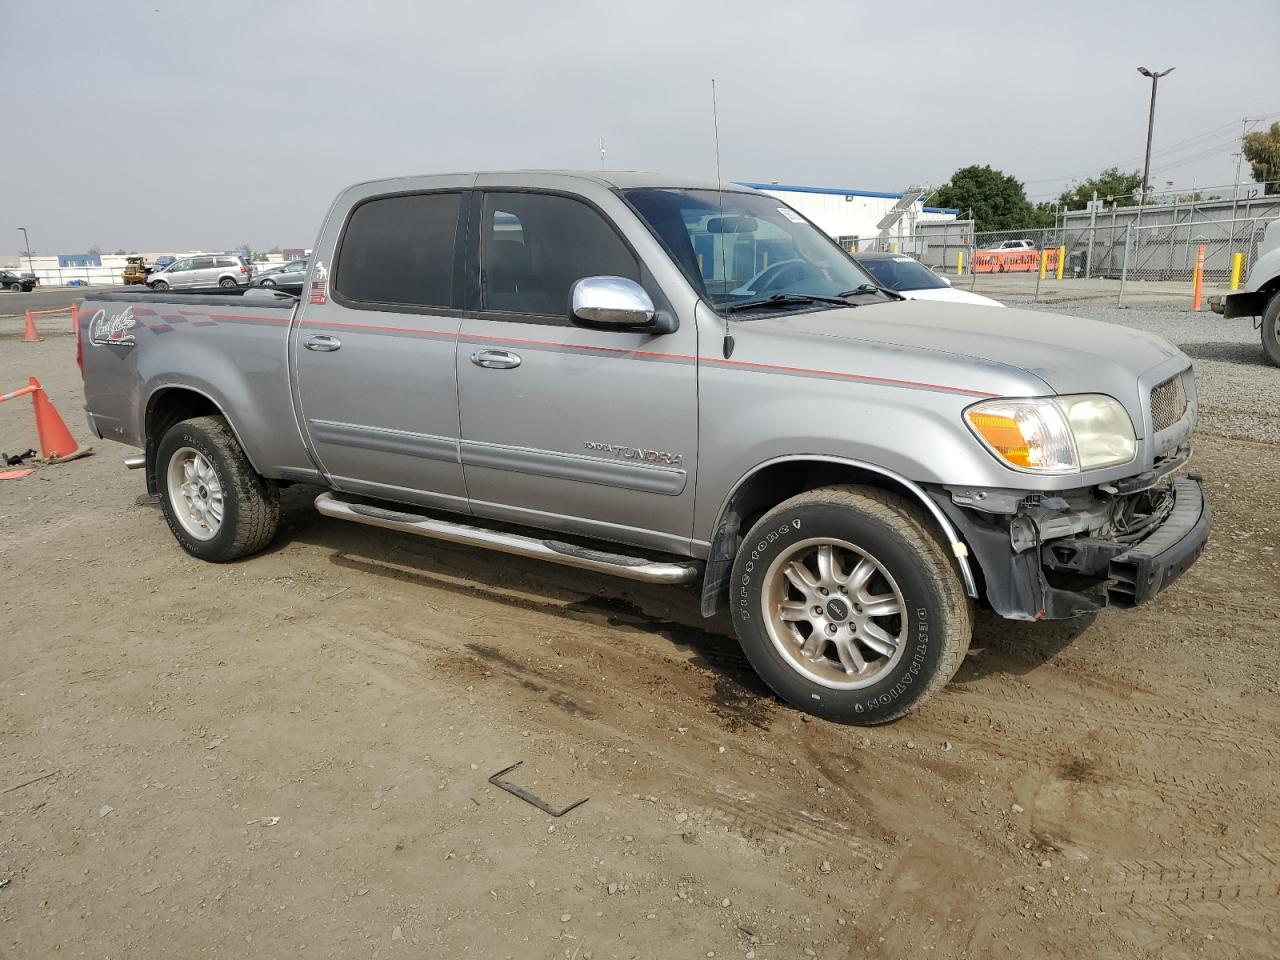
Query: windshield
{"points": [[900, 273], [737, 247]]}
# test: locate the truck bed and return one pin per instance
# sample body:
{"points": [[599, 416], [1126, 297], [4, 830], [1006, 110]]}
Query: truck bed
{"points": [[227, 348]]}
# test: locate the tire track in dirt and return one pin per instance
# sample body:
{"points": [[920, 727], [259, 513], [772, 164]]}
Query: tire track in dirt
{"points": [[1244, 883]]}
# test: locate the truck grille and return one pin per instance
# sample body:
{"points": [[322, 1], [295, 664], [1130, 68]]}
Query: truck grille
{"points": [[1168, 403]]}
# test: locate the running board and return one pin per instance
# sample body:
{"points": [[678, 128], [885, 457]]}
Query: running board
{"points": [[554, 551]]}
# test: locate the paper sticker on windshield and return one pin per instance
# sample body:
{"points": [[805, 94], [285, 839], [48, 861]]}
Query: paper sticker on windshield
{"points": [[791, 215]]}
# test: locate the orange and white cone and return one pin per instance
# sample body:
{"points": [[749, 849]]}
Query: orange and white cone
{"points": [[56, 442], [29, 334]]}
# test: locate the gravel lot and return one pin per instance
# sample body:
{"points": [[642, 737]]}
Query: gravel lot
{"points": [[1100, 789]]}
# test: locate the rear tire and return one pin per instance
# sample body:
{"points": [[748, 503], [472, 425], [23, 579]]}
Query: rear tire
{"points": [[217, 507], [1271, 329], [865, 635], [226, 283]]}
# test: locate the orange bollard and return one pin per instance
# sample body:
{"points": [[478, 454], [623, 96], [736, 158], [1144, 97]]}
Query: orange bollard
{"points": [[1198, 282], [29, 335], [75, 317]]}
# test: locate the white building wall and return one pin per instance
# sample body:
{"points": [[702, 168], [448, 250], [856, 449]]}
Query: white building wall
{"points": [[851, 214]]}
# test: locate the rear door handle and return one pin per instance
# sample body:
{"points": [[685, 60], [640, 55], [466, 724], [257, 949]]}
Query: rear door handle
{"points": [[322, 343], [496, 359]]}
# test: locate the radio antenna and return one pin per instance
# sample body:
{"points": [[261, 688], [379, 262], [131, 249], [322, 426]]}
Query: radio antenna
{"points": [[724, 267], [602, 153]]}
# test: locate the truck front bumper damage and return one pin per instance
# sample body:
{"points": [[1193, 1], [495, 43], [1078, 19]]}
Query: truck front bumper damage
{"points": [[1035, 577]]}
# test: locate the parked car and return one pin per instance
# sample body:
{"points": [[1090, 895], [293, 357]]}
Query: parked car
{"points": [[289, 274], [210, 270], [135, 271], [1012, 245], [18, 283], [561, 366], [1260, 296], [915, 281]]}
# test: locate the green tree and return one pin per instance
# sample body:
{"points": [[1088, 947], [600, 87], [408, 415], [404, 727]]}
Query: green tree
{"points": [[1262, 150], [998, 201], [1111, 186]]}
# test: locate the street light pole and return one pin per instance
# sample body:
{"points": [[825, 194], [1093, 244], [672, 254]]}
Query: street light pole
{"points": [[26, 242], [1151, 122]]}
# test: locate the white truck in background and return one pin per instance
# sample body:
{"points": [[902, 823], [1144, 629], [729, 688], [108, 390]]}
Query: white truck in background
{"points": [[1260, 297]]}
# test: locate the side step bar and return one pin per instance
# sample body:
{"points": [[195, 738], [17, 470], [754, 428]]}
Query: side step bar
{"points": [[554, 551]]}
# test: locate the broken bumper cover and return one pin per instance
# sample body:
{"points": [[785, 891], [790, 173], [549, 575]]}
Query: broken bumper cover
{"points": [[1132, 573], [1154, 563]]}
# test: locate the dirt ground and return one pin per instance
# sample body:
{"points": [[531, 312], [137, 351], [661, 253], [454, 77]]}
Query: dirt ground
{"points": [[1102, 789]]}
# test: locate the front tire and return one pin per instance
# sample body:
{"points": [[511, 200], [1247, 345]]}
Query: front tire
{"points": [[217, 507], [848, 606], [160, 285], [1271, 329], [268, 283]]}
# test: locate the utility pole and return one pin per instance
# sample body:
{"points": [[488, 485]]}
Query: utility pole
{"points": [[27, 243], [1151, 122], [1244, 132]]}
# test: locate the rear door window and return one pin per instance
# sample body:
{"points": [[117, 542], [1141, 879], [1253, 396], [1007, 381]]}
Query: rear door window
{"points": [[534, 246], [399, 251]]}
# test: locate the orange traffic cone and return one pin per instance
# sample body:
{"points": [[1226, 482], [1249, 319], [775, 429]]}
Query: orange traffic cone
{"points": [[29, 335], [56, 442]]}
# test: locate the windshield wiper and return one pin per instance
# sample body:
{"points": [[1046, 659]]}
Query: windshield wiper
{"points": [[782, 299], [872, 288]]}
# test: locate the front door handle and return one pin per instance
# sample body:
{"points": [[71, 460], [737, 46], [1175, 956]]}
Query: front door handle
{"points": [[496, 359], [322, 343]]}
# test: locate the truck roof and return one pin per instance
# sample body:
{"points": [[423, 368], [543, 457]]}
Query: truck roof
{"points": [[618, 179]]}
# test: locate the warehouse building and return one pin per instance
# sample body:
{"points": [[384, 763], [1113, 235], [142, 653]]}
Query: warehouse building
{"points": [[853, 217]]}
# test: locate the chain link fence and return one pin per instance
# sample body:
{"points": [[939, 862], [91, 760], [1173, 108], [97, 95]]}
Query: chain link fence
{"points": [[1106, 260]]}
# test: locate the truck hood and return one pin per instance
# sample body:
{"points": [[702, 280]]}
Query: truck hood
{"points": [[1069, 354]]}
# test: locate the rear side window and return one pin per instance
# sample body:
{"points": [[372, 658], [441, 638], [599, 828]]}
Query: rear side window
{"points": [[533, 246], [398, 251]]}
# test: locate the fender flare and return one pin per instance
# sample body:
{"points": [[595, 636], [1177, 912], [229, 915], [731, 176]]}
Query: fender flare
{"points": [[715, 576]]}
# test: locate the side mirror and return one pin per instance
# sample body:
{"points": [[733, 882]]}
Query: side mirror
{"points": [[944, 280], [611, 302]]}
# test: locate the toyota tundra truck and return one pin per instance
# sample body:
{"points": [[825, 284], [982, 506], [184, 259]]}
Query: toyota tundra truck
{"points": [[602, 371]]}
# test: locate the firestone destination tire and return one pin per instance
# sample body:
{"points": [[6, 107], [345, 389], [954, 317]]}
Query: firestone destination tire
{"points": [[848, 606], [217, 507]]}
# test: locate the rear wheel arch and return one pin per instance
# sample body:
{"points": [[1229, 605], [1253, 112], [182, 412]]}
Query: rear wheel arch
{"points": [[169, 406], [774, 481]]}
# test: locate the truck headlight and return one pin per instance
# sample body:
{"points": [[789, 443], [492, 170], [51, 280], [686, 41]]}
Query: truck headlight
{"points": [[1055, 434]]}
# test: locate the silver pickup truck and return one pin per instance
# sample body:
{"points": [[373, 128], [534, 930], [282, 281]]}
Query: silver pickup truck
{"points": [[674, 383]]}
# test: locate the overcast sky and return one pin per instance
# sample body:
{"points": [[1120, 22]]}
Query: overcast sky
{"points": [[176, 125]]}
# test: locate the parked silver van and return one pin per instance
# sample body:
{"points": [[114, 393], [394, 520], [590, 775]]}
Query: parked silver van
{"points": [[206, 270]]}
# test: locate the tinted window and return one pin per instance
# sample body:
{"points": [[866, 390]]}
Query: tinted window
{"points": [[399, 250], [900, 273], [533, 246], [202, 263], [228, 262]]}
